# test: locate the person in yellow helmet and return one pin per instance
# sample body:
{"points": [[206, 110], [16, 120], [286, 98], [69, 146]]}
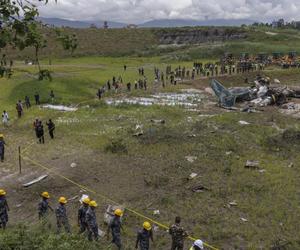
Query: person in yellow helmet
{"points": [[115, 227], [81, 215], [91, 221], [61, 215], [44, 206], [3, 209], [144, 236], [2, 147]]}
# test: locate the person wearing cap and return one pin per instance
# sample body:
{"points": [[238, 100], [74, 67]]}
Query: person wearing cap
{"points": [[2, 147], [81, 215], [144, 236], [198, 245], [115, 226], [91, 221], [3, 209], [44, 205], [61, 215]]}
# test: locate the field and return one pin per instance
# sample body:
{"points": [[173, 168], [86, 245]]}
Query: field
{"points": [[150, 172]]}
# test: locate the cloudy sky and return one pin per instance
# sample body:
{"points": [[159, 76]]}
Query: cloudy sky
{"points": [[138, 11]]}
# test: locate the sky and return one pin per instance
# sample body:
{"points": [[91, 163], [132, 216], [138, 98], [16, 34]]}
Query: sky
{"points": [[139, 11]]}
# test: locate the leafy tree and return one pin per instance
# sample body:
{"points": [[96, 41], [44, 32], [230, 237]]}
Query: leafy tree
{"points": [[69, 42]]}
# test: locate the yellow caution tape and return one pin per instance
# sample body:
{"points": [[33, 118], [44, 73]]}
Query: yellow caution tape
{"points": [[25, 157]]}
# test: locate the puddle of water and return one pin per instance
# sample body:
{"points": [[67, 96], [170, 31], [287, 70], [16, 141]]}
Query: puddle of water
{"points": [[187, 98]]}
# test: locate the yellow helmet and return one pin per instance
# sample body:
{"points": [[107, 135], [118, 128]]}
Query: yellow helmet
{"points": [[1, 136], [93, 204], [118, 212], [86, 201], [46, 195], [2, 192], [147, 226], [62, 200]]}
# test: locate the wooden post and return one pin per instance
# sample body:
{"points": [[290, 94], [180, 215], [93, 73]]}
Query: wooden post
{"points": [[20, 163]]}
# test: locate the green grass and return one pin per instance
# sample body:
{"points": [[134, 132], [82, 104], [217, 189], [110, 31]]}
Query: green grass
{"points": [[152, 172]]}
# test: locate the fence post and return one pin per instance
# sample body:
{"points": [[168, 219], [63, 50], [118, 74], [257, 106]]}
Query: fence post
{"points": [[20, 163]]}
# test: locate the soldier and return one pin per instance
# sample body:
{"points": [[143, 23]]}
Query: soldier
{"points": [[82, 215], [3, 209], [52, 96], [2, 147], [61, 215], [144, 236], [197, 245], [44, 206], [51, 128], [115, 227], [178, 235], [91, 221]]}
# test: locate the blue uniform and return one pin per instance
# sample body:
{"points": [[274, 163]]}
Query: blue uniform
{"points": [[3, 212], [82, 217], [115, 227], [62, 218], [91, 221]]}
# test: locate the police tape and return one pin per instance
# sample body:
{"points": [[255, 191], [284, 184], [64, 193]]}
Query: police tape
{"points": [[25, 157]]}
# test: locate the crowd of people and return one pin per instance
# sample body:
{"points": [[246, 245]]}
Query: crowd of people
{"points": [[87, 222]]}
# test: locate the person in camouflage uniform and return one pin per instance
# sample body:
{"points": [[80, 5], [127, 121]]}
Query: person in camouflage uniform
{"points": [[3, 209], [144, 236], [82, 215], [115, 227], [91, 221], [44, 206], [178, 235], [61, 215]]}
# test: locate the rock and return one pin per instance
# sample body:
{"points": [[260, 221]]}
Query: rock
{"points": [[73, 165], [291, 165], [191, 159], [232, 204], [252, 164], [228, 153], [158, 121], [156, 212], [262, 171], [138, 134]]}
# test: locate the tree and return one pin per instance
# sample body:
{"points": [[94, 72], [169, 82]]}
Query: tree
{"points": [[18, 25], [69, 42]]}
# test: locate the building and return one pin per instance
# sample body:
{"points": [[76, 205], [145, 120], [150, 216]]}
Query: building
{"points": [[278, 24]]}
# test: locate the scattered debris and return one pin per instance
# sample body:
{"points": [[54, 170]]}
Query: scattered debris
{"points": [[199, 189], [156, 212], [244, 220], [101, 233], [192, 176], [73, 165], [191, 159], [232, 204], [138, 134], [158, 121], [35, 181], [291, 165], [228, 153], [59, 107], [262, 171], [19, 205], [73, 198], [244, 123], [252, 164]]}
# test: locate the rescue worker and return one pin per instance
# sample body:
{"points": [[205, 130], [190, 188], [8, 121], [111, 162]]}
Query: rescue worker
{"points": [[61, 215], [115, 226], [197, 245], [40, 132], [51, 128], [178, 235], [2, 147], [44, 206], [5, 118], [3, 209], [144, 236], [91, 221], [82, 215]]}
